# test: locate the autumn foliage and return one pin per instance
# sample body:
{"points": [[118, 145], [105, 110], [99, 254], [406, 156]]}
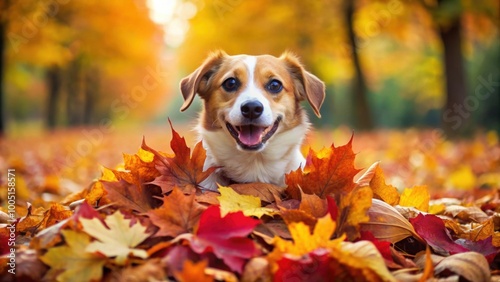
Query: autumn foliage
{"points": [[153, 220]]}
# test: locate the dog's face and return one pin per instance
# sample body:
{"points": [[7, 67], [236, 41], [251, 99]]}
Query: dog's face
{"points": [[252, 98]]}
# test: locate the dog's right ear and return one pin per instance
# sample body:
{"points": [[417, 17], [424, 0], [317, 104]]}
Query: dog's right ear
{"points": [[190, 85]]}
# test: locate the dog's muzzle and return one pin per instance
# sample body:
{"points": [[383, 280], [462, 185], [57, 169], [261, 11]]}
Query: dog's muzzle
{"points": [[252, 137]]}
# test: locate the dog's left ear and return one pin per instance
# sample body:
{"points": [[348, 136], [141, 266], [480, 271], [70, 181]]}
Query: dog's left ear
{"points": [[191, 84], [308, 85]]}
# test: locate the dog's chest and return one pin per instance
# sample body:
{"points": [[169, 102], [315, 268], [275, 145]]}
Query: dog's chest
{"points": [[280, 156]]}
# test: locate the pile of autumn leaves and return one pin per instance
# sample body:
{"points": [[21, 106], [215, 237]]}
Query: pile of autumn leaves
{"points": [[149, 220]]}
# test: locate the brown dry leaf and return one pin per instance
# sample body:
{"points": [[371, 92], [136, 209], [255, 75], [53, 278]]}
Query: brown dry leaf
{"points": [[329, 171], [151, 270], [353, 211], [131, 195], [266, 192], [466, 213], [417, 197], [313, 205], [290, 216], [387, 224], [178, 214], [184, 170], [469, 265], [257, 269], [480, 231], [193, 271]]}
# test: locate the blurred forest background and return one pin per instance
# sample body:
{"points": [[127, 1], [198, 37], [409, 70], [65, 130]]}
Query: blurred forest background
{"points": [[386, 63]]}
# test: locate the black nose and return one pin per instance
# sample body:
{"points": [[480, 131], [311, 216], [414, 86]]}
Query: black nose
{"points": [[252, 109]]}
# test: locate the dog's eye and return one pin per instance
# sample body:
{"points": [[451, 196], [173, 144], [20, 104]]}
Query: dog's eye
{"points": [[274, 86], [231, 84]]}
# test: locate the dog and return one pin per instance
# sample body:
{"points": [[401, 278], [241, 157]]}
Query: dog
{"points": [[252, 124]]}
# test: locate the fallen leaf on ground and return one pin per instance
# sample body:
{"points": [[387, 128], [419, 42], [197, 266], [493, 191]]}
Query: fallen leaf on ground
{"points": [[225, 237], [73, 261], [178, 214], [230, 201], [119, 240]]}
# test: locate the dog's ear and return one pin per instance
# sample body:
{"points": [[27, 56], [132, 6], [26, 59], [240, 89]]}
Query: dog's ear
{"points": [[307, 85], [190, 85]]}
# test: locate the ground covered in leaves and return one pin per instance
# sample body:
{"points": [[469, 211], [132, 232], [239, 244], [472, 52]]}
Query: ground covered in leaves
{"points": [[382, 206]]}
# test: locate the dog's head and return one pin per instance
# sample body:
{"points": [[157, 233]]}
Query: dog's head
{"points": [[252, 98]]}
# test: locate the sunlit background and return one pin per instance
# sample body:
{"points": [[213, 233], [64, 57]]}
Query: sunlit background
{"points": [[72, 63], [83, 81]]}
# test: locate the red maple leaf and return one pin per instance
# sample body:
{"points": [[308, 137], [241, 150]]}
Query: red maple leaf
{"points": [[226, 237], [184, 170]]}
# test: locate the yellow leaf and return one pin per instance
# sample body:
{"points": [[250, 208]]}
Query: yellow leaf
{"points": [[304, 242], [145, 156], [417, 197], [108, 175], [119, 240], [462, 178], [230, 201], [75, 263], [381, 190]]}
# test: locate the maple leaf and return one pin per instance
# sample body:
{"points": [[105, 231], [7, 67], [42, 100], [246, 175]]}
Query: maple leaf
{"points": [[73, 260], [225, 237], [304, 241], [230, 201], [119, 240], [178, 214], [315, 254], [417, 197], [330, 171], [184, 170], [135, 196]]}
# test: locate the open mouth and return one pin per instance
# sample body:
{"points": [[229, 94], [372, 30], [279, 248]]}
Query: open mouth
{"points": [[252, 137]]}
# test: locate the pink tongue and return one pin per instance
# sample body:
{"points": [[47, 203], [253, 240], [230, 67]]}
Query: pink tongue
{"points": [[250, 134]]}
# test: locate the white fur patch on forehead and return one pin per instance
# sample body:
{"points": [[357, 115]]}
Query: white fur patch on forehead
{"points": [[250, 62]]}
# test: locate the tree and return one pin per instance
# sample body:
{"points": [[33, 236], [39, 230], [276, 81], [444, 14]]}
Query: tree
{"points": [[361, 108]]}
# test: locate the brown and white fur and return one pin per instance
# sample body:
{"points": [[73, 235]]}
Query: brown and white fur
{"points": [[252, 124]]}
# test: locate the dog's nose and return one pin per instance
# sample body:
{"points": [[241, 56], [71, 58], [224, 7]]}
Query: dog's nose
{"points": [[252, 109]]}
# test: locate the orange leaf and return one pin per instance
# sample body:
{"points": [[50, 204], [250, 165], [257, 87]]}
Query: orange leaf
{"points": [[193, 271], [330, 171], [429, 267], [417, 197], [178, 214], [184, 170]]}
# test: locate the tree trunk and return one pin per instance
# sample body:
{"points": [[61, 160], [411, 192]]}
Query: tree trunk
{"points": [[53, 78], [74, 101], [3, 47], [455, 113], [362, 114], [91, 94]]}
